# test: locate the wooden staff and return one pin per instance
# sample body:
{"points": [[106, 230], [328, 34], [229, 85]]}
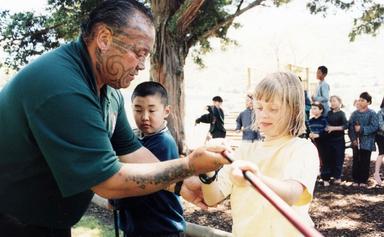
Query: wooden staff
{"points": [[276, 201]]}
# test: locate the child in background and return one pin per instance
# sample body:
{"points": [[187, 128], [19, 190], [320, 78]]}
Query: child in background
{"points": [[335, 142], [380, 144], [160, 213], [245, 120], [215, 118], [363, 125], [287, 164], [317, 134]]}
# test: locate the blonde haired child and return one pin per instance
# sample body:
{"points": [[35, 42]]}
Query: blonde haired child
{"points": [[287, 164]]}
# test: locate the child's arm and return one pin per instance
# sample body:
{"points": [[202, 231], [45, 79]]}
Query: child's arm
{"points": [[381, 121], [351, 128], [205, 118], [334, 128], [372, 126], [191, 188], [324, 125], [342, 127], [288, 190], [211, 192], [238, 123]]}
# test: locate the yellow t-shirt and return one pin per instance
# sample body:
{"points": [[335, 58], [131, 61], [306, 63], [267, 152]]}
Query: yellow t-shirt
{"points": [[286, 158]]}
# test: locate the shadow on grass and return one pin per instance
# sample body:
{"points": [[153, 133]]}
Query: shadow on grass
{"points": [[91, 226]]}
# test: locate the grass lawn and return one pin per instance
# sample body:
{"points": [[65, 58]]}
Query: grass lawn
{"points": [[90, 226]]}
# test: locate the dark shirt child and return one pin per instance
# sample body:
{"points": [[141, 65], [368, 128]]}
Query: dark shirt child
{"points": [[317, 134], [160, 213]]}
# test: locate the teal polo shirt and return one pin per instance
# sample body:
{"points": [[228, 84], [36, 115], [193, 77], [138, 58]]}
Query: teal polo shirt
{"points": [[58, 138]]}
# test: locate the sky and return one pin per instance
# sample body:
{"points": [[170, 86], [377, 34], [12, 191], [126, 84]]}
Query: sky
{"points": [[269, 40], [19, 6]]}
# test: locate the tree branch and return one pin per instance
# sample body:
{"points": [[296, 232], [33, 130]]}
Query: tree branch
{"points": [[228, 20], [239, 6], [163, 9], [188, 14], [40, 32]]}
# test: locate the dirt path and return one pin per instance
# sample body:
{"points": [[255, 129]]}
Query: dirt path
{"points": [[337, 210]]}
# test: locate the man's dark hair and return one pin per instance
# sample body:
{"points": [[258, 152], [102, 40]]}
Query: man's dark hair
{"points": [[115, 14], [382, 103], [218, 99], [323, 69], [366, 96], [151, 88]]}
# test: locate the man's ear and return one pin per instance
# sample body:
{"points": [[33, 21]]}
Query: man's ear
{"points": [[167, 111], [103, 37]]}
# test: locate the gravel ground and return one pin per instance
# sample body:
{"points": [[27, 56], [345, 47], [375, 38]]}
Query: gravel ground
{"points": [[337, 210]]}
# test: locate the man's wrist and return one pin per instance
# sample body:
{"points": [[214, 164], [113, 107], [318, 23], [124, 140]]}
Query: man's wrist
{"points": [[170, 188], [177, 188]]}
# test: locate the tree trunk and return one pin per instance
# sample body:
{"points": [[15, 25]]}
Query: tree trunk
{"points": [[167, 68]]}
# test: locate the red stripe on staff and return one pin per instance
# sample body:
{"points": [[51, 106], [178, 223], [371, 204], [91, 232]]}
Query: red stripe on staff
{"points": [[277, 202]]}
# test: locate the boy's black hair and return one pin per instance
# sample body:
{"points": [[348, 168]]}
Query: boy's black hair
{"points": [[218, 99], [318, 105], [382, 103], [323, 69], [151, 88], [366, 96]]}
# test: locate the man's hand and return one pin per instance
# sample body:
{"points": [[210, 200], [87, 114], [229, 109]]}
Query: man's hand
{"points": [[191, 192], [205, 159]]}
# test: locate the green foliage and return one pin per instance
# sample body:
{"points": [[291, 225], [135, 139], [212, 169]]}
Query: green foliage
{"points": [[25, 35], [370, 14], [212, 14]]}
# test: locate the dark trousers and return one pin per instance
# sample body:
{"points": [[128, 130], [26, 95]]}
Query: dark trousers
{"points": [[325, 166], [360, 166], [335, 154], [218, 134], [11, 227]]}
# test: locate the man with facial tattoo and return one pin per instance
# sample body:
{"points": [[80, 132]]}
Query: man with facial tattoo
{"points": [[64, 134]]}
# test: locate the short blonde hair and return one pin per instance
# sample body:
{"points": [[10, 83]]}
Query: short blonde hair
{"points": [[285, 87]]}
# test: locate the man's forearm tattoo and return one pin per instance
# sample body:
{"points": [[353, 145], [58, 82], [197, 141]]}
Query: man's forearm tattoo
{"points": [[164, 178]]}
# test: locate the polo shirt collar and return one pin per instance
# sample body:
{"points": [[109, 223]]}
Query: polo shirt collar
{"points": [[87, 63]]}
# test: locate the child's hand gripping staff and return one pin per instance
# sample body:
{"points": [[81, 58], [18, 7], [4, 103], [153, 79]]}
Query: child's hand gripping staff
{"points": [[247, 171]]}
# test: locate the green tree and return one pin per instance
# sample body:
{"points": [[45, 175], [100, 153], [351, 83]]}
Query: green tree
{"points": [[180, 24], [369, 14]]}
